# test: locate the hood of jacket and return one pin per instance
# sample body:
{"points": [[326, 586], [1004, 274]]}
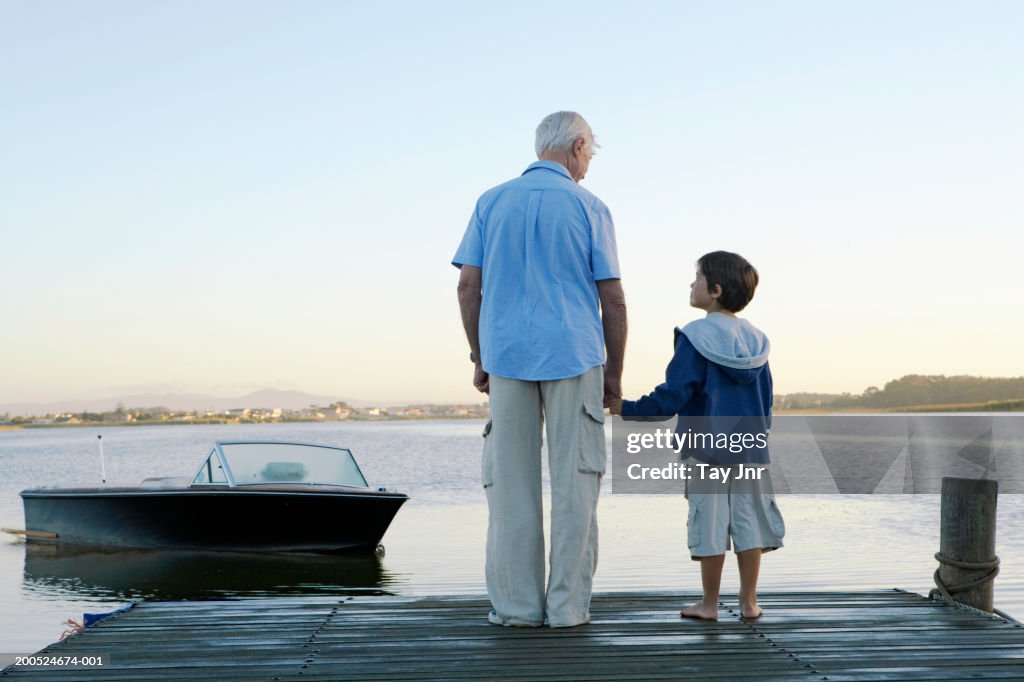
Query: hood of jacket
{"points": [[739, 347]]}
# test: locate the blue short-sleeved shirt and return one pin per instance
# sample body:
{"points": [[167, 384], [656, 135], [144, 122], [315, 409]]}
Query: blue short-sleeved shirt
{"points": [[542, 242]]}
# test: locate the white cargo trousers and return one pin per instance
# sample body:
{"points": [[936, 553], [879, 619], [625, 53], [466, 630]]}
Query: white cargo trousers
{"points": [[574, 416]]}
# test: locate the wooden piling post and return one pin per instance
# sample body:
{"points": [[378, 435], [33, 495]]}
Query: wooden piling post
{"points": [[967, 544]]}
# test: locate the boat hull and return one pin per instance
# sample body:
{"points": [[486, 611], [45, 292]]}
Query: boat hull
{"points": [[216, 519], [59, 571]]}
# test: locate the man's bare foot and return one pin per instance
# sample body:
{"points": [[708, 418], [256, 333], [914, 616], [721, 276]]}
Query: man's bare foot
{"points": [[750, 611], [700, 610]]}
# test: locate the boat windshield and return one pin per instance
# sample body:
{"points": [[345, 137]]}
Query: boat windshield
{"points": [[291, 463]]}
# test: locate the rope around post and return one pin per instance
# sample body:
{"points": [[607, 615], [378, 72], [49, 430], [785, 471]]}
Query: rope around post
{"points": [[945, 592]]}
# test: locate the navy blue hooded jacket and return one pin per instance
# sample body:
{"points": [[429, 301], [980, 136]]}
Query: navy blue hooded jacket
{"points": [[720, 369]]}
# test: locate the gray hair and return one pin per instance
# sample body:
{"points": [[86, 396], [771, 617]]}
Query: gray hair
{"points": [[558, 132]]}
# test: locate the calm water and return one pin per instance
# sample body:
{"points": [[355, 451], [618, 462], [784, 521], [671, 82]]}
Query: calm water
{"points": [[435, 545]]}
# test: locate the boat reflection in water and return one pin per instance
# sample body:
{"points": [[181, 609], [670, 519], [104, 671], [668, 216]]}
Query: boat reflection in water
{"points": [[56, 571]]}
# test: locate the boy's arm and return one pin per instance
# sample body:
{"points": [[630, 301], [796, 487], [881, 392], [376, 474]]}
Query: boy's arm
{"points": [[683, 378]]}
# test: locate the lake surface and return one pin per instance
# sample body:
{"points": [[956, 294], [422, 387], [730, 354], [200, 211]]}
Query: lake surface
{"points": [[435, 545]]}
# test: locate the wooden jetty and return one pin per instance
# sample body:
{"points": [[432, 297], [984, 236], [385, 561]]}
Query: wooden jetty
{"points": [[806, 636]]}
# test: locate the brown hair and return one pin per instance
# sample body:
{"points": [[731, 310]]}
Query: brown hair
{"points": [[731, 271]]}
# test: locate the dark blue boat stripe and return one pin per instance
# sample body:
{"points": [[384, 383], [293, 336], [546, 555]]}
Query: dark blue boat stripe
{"points": [[234, 492]]}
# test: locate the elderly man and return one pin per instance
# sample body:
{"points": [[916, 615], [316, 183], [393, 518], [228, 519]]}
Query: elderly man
{"points": [[541, 300]]}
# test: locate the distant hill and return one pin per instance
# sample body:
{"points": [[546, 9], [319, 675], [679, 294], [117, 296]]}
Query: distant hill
{"points": [[266, 398], [915, 390], [919, 389]]}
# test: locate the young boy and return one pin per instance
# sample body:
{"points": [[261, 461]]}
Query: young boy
{"points": [[720, 370]]}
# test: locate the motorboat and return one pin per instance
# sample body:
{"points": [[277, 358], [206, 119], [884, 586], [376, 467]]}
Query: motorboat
{"points": [[263, 496]]}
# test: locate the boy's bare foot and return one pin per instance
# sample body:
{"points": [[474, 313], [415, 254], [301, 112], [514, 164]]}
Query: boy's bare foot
{"points": [[700, 610], [750, 611]]}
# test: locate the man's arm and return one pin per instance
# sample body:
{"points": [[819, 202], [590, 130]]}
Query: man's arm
{"points": [[613, 319], [470, 288]]}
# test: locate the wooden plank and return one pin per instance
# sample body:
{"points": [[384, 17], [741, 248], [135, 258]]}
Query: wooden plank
{"points": [[879, 635]]}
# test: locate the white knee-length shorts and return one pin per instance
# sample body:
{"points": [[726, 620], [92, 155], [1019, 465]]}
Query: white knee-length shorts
{"points": [[740, 514]]}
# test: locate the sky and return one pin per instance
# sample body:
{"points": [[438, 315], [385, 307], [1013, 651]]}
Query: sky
{"points": [[226, 196]]}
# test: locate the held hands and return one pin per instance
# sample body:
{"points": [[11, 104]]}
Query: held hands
{"points": [[615, 406], [481, 380]]}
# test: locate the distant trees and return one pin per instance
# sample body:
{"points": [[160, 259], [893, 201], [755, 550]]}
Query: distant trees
{"points": [[919, 389]]}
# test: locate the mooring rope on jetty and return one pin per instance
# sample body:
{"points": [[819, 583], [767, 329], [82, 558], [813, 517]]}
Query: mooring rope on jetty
{"points": [[944, 592]]}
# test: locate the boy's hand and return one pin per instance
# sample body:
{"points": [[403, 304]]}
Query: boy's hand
{"points": [[615, 406]]}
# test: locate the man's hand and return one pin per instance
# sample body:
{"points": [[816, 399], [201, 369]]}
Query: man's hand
{"points": [[612, 390], [615, 406], [481, 380]]}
